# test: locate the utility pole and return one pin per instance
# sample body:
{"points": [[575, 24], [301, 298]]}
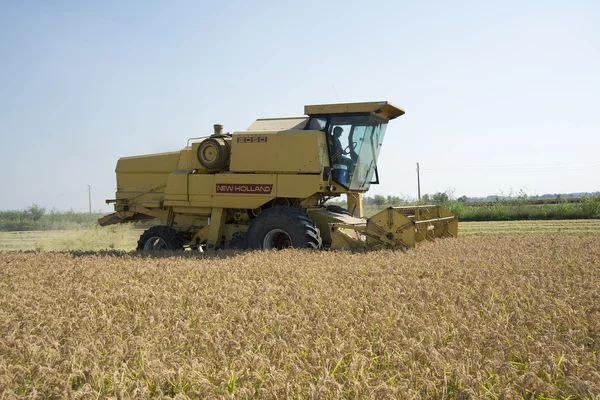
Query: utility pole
{"points": [[418, 182], [90, 197]]}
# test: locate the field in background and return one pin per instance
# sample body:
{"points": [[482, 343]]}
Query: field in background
{"points": [[125, 237], [508, 316], [519, 228], [115, 237], [36, 218], [509, 209]]}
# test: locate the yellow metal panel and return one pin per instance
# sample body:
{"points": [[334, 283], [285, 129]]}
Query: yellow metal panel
{"points": [[162, 162], [140, 188], [188, 159], [201, 185], [133, 182], [283, 152], [156, 213], [299, 186], [298, 152], [152, 204], [323, 151], [192, 210], [253, 152], [278, 124], [176, 203], [202, 201], [177, 186], [143, 178], [201, 189]]}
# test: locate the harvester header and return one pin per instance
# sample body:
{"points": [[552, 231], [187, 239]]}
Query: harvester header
{"points": [[269, 187]]}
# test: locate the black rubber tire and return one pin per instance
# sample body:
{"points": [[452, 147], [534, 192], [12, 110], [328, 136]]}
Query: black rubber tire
{"points": [[239, 241], [339, 210], [219, 152], [299, 230], [170, 239]]}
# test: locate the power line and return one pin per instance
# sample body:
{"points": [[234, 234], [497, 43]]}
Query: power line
{"points": [[508, 167], [513, 167]]}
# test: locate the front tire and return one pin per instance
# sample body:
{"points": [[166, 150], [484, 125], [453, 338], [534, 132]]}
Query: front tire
{"points": [[281, 227], [160, 238]]}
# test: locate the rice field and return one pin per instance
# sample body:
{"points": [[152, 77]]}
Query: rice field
{"points": [[506, 311], [519, 228], [125, 237], [116, 237]]}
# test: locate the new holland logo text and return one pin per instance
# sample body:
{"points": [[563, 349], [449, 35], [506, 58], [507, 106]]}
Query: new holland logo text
{"points": [[252, 139], [244, 188]]}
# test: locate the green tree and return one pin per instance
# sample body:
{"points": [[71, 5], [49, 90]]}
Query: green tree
{"points": [[35, 212], [462, 199], [379, 200], [394, 201], [440, 198], [522, 195]]}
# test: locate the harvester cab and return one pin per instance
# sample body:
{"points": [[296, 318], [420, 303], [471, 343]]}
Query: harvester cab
{"points": [[354, 137], [268, 187]]}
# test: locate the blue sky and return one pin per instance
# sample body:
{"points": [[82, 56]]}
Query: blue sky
{"points": [[499, 96]]}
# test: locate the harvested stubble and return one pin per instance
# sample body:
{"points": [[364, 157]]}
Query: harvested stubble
{"points": [[520, 228], [474, 317]]}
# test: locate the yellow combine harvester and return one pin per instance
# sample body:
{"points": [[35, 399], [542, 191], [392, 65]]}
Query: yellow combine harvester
{"points": [[267, 187]]}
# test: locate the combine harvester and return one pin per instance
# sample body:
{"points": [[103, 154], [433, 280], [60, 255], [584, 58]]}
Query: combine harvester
{"points": [[267, 187]]}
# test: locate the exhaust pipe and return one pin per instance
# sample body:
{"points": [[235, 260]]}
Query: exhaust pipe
{"points": [[218, 129]]}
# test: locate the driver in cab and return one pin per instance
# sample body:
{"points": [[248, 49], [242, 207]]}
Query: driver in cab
{"points": [[337, 150]]}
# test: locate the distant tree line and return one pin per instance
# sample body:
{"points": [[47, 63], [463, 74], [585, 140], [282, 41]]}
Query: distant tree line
{"points": [[448, 196], [499, 208], [36, 217], [395, 201]]}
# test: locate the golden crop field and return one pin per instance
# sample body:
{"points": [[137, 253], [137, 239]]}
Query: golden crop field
{"points": [[518, 228], [483, 316], [116, 237], [124, 237]]}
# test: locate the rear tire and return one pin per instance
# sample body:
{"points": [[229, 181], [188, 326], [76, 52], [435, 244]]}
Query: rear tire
{"points": [[160, 238], [282, 227]]}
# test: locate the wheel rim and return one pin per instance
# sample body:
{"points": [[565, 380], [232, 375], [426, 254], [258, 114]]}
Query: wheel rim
{"points": [[277, 239], [155, 243], [209, 154]]}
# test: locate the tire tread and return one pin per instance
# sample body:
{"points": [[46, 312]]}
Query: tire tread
{"points": [[311, 232], [168, 234]]}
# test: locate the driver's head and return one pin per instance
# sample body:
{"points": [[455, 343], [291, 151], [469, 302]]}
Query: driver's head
{"points": [[337, 131]]}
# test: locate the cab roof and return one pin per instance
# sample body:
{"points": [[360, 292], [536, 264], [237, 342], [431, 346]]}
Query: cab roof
{"points": [[380, 108]]}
